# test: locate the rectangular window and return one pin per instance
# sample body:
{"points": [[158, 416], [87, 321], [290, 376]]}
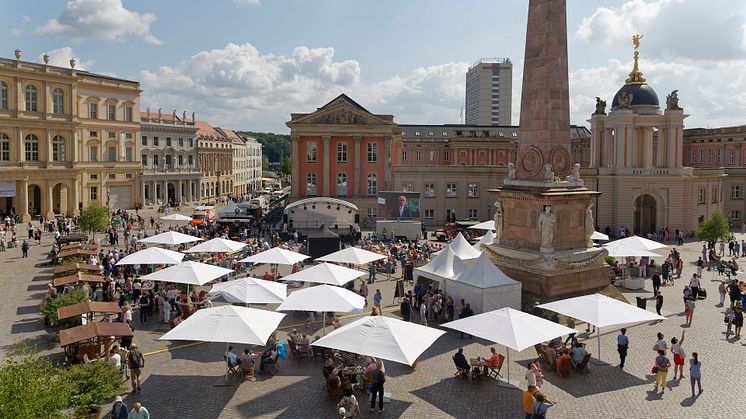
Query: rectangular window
{"points": [[407, 187], [372, 214], [719, 156], [191, 142], [93, 153], [128, 113], [111, 154], [714, 197], [445, 133], [112, 135], [341, 152], [181, 142], [418, 155], [735, 215], [372, 152], [169, 160], [429, 190], [709, 156], [701, 196], [431, 133], [144, 159], [416, 133], [181, 160], [155, 141], [94, 177], [190, 160], [112, 176], [168, 141], [731, 157], [128, 154], [451, 214], [735, 191], [311, 152], [693, 157], [404, 155], [451, 190], [93, 134], [446, 155], [429, 214], [473, 190], [432, 155], [111, 112], [473, 213], [128, 135], [144, 140], [93, 193], [701, 156], [93, 110], [5, 150]]}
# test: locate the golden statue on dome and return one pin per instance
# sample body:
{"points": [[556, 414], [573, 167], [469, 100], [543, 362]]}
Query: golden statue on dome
{"points": [[636, 77]]}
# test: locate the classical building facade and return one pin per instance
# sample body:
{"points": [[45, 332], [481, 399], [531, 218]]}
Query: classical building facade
{"points": [[215, 160], [637, 162], [171, 173], [247, 163], [342, 150], [67, 137], [489, 92], [720, 149]]}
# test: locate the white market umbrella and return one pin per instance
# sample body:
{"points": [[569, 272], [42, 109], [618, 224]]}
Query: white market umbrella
{"points": [[487, 238], [634, 243], [487, 225], [601, 311], [227, 324], [277, 256], [629, 251], [250, 290], [152, 256], [382, 337], [177, 217], [191, 273], [511, 328], [170, 238], [326, 273], [217, 245], [354, 255], [597, 235], [323, 298]]}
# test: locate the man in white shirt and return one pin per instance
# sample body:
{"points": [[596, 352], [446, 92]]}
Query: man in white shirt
{"points": [[115, 360], [694, 285]]}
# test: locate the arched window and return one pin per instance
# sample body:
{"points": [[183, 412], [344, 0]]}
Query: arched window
{"points": [[4, 147], [372, 182], [31, 102], [311, 184], [3, 95], [342, 184], [32, 148], [58, 148], [58, 101]]}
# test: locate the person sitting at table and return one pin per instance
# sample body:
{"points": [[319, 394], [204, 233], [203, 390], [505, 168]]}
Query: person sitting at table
{"points": [[564, 362], [461, 362], [246, 357], [269, 357], [303, 344], [231, 358], [493, 361], [578, 353], [348, 358], [294, 336]]}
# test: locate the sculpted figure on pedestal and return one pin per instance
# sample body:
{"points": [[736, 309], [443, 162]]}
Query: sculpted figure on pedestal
{"points": [[498, 221], [547, 223], [589, 224]]}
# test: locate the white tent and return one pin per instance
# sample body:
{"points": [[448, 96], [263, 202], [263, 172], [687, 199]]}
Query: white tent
{"points": [[382, 337], [443, 266], [462, 248], [354, 255], [177, 217], [509, 327], [326, 273], [192, 273], [170, 238], [487, 225], [250, 290], [601, 311], [152, 256], [599, 236], [276, 255], [488, 238], [485, 287], [217, 245]]}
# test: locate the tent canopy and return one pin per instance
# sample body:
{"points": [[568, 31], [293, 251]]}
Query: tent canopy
{"points": [[354, 255], [446, 264], [599, 236], [177, 217], [462, 248], [217, 245], [170, 238], [152, 256], [323, 298], [192, 273], [509, 327], [382, 337], [276, 255], [326, 273], [227, 324], [600, 310], [484, 274], [487, 238], [485, 286], [87, 307], [250, 290], [487, 225]]}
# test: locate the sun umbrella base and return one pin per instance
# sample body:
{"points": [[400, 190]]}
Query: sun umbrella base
{"points": [[231, 380]]}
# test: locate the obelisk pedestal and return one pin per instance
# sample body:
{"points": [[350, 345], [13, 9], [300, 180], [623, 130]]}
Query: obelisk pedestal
{"points": [[547, 218]]}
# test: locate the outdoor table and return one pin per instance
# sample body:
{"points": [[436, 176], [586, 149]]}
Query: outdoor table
{"points": [[476, 368], [353, 370]]}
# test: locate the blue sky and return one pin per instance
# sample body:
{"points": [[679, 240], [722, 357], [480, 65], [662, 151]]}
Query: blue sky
{"points": [[247, 64]]}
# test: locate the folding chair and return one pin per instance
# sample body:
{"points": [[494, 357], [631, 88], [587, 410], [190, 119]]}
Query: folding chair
{"points": [[583, 366], [247, 370], [232, 369], [464, 372], [494, 372]]}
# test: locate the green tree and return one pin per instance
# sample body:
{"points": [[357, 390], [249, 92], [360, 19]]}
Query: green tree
{"points": [[30, 387], [93, 384], [50, 305], [265, 164], [713, 229], [93, 218], [286, 167]]}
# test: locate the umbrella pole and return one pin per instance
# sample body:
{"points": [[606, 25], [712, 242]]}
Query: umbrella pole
{"points": [[226, 361], [507, 384], [323, 323]]}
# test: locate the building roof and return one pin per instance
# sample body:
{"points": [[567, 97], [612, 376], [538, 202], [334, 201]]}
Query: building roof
{"points": [[204, 129], [642, 94]]}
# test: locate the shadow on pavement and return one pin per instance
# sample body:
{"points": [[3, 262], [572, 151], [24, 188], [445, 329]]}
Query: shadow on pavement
{"points": [[27, 326], [36, 287], [32, 309], [463, 399]]}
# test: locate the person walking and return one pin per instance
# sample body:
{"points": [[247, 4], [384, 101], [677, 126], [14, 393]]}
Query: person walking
{"points": [[694, 285], [658, 303], [569, 322], [695, 372], [364, 291], [24, 249], [540, 407], [528, 401], [135, 362], [378, 379], [377, 299], [622, 344], [722, 290], [423, 312], [139, 412], [661, 370], [467, 312], [689, 311], [406, 309], [678, 355], [371, 272], [738, 320], [656, 283]]}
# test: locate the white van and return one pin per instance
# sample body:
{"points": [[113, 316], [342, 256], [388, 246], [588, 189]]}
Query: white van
{"points": [[261, 202]]}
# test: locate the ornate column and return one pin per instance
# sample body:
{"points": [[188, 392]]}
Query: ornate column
{"points": [[356, 170], [21, 147], [74, 144], [325, 166], [647, 149], [142, 186], [178, 192], [48, 202], [74, 198], [48, 145]]}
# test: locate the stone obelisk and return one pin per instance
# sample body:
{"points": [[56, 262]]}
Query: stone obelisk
{"points": [[544, 215]]}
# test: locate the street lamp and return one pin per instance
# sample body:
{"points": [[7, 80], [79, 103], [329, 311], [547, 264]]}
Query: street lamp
{"points": [[489, 212]]}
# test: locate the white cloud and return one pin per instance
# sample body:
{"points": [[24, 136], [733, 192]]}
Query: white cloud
{"points": [[248, 2], [61, 57], [21, 30], [100, 19], [611, 25]]}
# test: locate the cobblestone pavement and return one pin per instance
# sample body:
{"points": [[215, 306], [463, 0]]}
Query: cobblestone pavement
{"points": [[179, 381]]}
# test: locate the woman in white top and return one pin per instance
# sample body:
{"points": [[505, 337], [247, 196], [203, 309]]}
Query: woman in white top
{"points": [[127, 312], [678, 355], [661, 344], [530, 375]]}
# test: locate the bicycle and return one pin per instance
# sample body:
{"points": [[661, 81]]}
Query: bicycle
{"points": [[729, 316]]}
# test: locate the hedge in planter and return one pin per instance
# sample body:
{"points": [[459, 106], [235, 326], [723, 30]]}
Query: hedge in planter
{"points": [[50, 305]]}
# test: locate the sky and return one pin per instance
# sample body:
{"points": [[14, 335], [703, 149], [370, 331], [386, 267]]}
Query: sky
{"points": [[249, 64]]}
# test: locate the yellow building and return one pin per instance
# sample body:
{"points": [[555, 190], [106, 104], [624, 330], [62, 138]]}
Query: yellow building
{"points": [[67, 137]]}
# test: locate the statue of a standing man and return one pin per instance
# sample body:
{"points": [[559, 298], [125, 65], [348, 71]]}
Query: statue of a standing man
{"points": [[498, 221], [589, 225], [547, 223]]}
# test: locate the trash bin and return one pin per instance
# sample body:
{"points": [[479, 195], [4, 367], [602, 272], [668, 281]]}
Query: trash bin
{"points": [[642, 302]]}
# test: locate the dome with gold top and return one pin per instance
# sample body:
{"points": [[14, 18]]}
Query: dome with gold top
{"points": [[636, 93]]}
